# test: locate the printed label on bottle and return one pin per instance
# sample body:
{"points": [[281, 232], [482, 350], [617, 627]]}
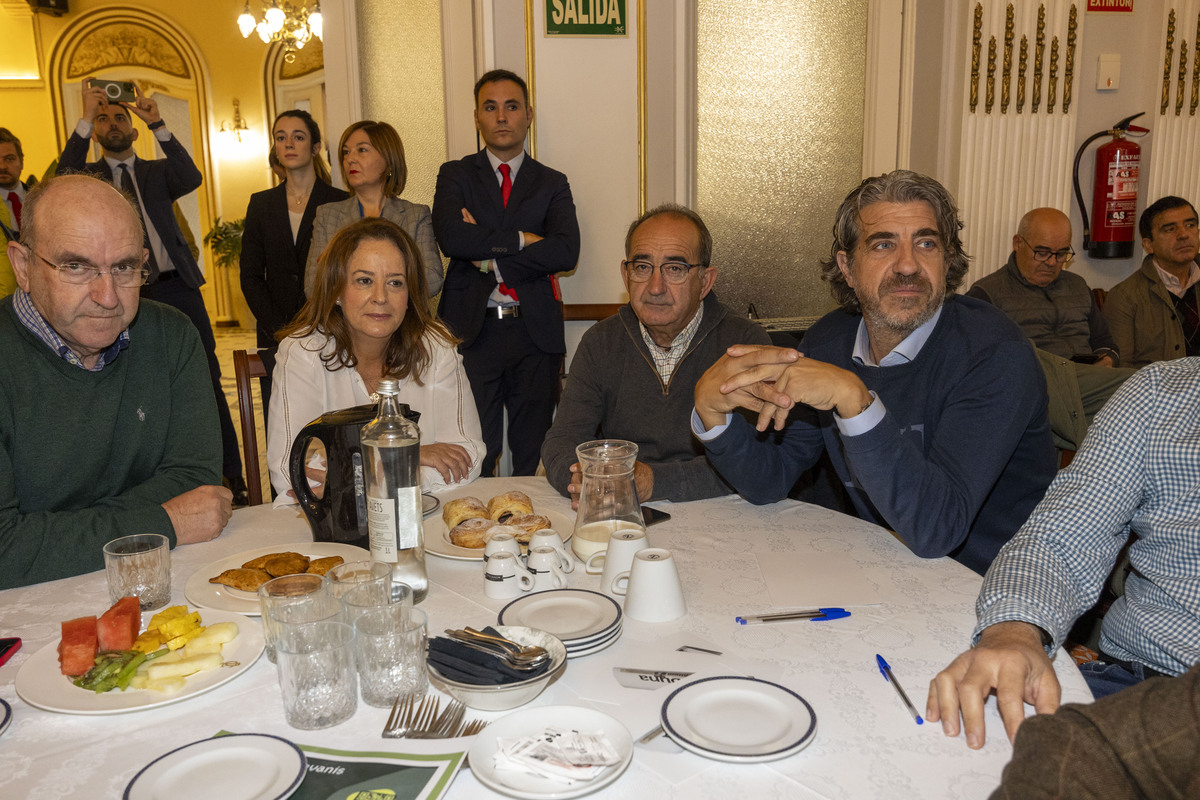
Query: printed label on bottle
{"points": [[381, 524], [408, 509]]}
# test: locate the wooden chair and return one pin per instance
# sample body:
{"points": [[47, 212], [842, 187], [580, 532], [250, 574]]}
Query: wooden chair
{"points": [[246, 366], [1101, 295]]}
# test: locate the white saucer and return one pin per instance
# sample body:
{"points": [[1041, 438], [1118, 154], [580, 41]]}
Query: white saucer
{"points": [[6, 716], [743, 720], [580, 652], [569, 614], [588, 641], [533, 721], [240, 766], [429, 504]]}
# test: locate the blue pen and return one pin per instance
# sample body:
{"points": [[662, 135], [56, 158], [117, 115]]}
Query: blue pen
{"points": [[886, 670], [813, 615]]}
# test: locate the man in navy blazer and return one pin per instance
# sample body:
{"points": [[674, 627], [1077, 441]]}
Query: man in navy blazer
{"points": [[508, 224], [175, 277]]}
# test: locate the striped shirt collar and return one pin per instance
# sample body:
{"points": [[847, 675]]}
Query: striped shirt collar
{"points": [[37, 325], [1172, 284], [666, 359]]}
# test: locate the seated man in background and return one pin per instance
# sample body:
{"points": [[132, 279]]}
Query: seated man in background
{"points": [[1154, 314], [107, 423], [1137, 474], [633, 374], [1057, 310], [960, 454]]}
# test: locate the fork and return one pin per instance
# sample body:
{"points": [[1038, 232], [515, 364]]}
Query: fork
{"points": [[407, 716], [443, 726], [471, 728]]}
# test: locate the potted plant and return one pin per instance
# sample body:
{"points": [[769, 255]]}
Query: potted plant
{"points": [[225, 239]]}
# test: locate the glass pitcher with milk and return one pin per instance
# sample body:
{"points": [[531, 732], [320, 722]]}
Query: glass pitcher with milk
{"points": [[608, 500]]}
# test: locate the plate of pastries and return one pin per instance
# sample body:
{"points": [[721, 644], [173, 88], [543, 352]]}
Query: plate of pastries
{"points": [[466, 523], [231, 583]]}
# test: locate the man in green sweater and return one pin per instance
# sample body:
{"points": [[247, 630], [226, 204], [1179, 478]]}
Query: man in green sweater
{"points": [[108, 425]]}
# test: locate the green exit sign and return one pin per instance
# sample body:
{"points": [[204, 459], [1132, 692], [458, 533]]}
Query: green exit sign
{"points": [[586, 18]]}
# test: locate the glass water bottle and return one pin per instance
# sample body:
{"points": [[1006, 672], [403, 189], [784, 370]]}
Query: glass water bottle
{"points": [[391, 449]]}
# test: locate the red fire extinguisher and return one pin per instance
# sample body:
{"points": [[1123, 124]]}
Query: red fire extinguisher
{"points": [[1114, 196]]}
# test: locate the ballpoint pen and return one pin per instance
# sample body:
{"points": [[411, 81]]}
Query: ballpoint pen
{"points": [[886, 670], [815, 615]]}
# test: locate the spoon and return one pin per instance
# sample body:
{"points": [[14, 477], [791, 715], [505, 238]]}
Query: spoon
{"points": [[520, 666], [529, 654]]}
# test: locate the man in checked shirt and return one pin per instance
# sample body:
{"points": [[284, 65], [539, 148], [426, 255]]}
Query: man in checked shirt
{"points": [[1137, 474]]}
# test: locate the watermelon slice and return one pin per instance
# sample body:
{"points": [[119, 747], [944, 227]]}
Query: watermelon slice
{"points": [[118, 627], [77, 650]]}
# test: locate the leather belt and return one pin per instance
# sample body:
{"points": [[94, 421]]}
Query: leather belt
{"points": [[504, 312]]}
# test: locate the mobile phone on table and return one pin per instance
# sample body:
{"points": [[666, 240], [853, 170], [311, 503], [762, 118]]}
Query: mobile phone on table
{"points": [[7, 647], [652, 515]]}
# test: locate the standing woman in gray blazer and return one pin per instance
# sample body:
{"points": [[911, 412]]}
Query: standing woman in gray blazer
{"points": [[373, 169]]}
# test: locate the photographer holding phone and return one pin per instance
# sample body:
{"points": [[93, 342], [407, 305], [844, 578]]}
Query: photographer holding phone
{"points": [[153, 186]]}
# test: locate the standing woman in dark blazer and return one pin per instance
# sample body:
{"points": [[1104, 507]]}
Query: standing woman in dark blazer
{"points": [[279, 226], [373, 168]]}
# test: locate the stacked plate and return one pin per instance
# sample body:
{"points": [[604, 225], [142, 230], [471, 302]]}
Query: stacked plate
{"points": [[585, 621]]}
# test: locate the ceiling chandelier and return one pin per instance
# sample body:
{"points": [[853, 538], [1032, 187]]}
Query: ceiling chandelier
{"points": [[293, 25]]}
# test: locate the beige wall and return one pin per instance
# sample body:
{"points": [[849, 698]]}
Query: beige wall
{"points": [[232, 67]]}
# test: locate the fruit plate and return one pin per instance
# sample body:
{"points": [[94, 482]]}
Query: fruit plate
{"points": [[41, 683]]}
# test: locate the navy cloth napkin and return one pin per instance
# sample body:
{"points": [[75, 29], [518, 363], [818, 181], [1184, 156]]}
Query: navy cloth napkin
{"points": [[464, 664]]}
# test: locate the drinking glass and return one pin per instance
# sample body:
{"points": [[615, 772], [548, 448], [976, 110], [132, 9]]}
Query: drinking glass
{"points": [[315, 661], [139, 565], [390, 648], [303, 591], [344, 577]]}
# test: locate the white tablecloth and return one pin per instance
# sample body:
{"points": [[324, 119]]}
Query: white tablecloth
{"points": [[866, 745]]}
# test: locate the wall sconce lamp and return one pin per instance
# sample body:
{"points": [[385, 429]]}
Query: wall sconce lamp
{"points": [[234, 130]]}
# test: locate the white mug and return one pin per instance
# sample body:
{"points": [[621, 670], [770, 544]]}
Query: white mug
{"points": [[504, 576], [651, 587], [545, 565], [617, 557], [501, 543], [548, 537]]}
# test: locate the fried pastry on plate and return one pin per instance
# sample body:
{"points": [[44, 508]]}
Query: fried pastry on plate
{"points": [[528, 524], [509, 504], [320, 566], [242, 578], [471, 533], [286, 564], [261, 561], [457, 511]]}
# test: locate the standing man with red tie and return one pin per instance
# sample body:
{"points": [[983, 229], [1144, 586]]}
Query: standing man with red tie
{"points": [[508, 225], [175, 277], [12, 195]]}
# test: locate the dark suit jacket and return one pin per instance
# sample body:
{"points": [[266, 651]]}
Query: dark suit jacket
{"points": [[272, 264], [161, 182], [540, 203]]}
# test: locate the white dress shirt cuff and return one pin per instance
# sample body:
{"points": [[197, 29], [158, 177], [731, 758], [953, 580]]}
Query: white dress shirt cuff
{"points": [[864, 421], [708, 435], [84, 129]]}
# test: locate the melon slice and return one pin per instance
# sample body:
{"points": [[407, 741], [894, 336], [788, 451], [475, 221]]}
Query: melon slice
{"points": [[118, 627], [77, 650]]}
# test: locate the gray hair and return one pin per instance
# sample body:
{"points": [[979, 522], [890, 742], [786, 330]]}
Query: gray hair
{"points": [[674, 210], [899, 186]]}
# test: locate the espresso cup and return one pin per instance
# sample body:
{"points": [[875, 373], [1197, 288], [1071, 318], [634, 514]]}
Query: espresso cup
{"points": [[501, 543], [545, 565], [617, 558], [651, 587], [504, 576], [550, 538]]}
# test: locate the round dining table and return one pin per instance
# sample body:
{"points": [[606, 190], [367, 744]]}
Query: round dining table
{"points": [[728, 553]]}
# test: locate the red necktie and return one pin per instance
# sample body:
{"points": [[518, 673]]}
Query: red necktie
{"points": [[505, 191], [15, 202]]}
